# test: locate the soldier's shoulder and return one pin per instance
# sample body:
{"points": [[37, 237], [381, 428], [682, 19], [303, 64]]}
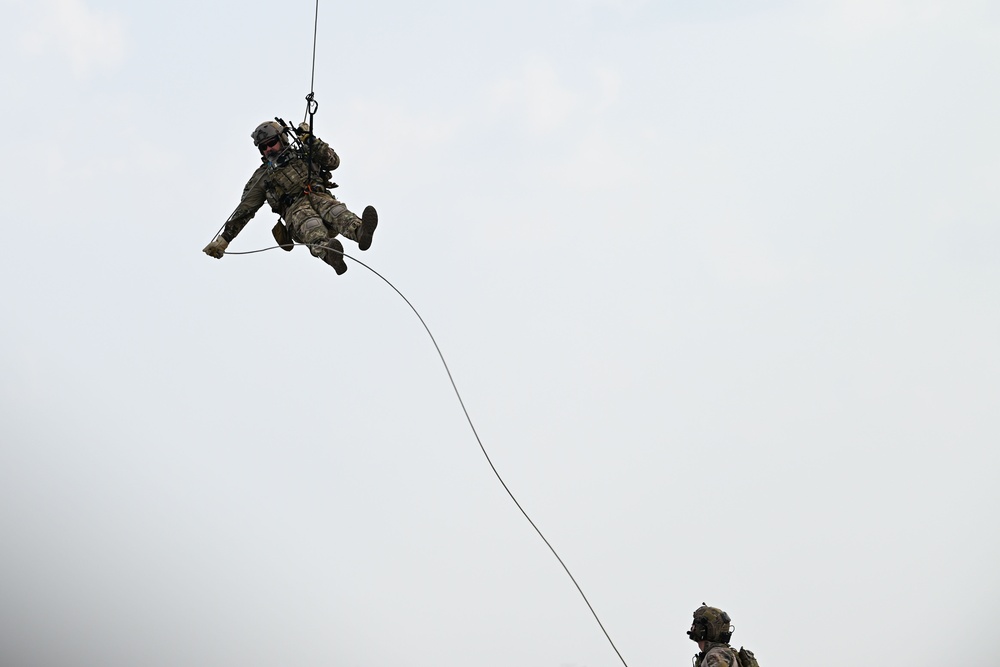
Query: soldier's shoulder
{"points": [[257, 173], [255, 180], [720, 656]]}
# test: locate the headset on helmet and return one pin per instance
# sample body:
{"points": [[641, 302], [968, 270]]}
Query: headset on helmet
{"points": [[710, 624]]}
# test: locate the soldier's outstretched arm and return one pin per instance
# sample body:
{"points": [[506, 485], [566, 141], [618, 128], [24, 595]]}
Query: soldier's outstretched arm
{"points": [[251, 201]]}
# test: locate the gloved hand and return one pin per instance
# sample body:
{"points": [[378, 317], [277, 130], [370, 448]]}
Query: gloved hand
{"points": [[303, 131], [217, 247]]}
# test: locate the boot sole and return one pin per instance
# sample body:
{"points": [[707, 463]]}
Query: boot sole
{"points": [[337, 261], [369, 221]]}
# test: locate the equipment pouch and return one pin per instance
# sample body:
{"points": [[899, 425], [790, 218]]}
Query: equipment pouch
{"points": [[280, 234]]}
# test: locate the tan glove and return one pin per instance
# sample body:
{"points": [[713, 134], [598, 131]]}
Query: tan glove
{"points": [[217, 247]]}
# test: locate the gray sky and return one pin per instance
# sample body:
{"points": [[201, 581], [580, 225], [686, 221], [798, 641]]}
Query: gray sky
{"points": [[718, 282]]}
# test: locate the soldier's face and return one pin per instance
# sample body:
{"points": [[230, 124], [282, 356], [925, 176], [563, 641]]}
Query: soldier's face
{"points": [[270, 148]]}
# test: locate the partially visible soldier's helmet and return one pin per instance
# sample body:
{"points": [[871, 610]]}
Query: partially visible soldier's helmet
{"points": [[710, 624], [267, 131]]}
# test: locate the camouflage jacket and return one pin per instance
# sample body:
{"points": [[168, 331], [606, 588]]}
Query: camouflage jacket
{"points": [[717, 655], [280, 183]]}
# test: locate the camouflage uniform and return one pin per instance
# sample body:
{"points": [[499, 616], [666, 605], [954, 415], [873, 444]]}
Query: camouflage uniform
{"points": [[717, 655], [299, 193]]}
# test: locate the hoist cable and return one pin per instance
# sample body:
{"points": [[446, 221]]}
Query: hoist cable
{"points": [[312, 80], [475, 433]]}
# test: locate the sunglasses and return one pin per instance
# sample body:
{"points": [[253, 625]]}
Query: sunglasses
{"points": [[267, 144]]}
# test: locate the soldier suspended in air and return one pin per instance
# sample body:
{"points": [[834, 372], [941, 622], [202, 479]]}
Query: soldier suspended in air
{"points": [[295, 180]]}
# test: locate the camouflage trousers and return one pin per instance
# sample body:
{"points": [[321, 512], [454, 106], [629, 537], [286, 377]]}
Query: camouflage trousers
{"points": [[317, 218]]}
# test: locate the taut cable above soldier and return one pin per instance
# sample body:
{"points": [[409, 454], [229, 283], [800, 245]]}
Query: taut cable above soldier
{"points": [[295, 180]]}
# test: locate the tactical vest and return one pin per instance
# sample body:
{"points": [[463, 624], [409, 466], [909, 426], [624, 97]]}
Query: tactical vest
{"points": [[285, 182]]}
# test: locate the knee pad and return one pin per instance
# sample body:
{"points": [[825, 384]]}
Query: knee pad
{"points": [[313, 232]]}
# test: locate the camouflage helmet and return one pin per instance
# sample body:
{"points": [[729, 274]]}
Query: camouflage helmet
{"points": [[710, 624], [267, 131]]}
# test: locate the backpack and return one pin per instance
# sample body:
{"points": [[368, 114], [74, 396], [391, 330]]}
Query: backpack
{"points": [[746, 658]]}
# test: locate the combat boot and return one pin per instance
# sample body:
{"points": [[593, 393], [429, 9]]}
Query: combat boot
{"points": [[334, 256], [369, 221]]}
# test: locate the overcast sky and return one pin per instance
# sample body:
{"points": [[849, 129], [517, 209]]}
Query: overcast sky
{"points": [[718, 282]]}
